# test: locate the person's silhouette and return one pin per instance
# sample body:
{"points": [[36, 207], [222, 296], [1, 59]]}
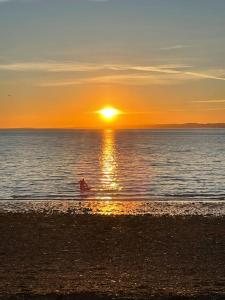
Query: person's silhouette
{"points": [[83, 185]]}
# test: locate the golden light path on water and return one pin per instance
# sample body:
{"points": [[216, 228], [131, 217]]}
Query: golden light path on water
{"points": [[111, 207], [109, 163], [109, 178]]}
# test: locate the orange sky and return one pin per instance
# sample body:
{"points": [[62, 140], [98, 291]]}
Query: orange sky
{"points": [[157, 61], [62, 107]]}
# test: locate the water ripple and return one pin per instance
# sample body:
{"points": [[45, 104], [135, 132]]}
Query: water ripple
{"points": [[123, 164]]}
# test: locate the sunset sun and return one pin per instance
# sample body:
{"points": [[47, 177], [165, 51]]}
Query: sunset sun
{"points": [[109, 113]]}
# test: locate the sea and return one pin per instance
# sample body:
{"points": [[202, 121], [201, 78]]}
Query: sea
{"points": [[119, 165]]}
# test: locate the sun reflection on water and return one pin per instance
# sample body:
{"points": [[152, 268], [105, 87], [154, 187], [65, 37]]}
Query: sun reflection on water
{"points": [[114, 207], [104, 200], [109, 180]]}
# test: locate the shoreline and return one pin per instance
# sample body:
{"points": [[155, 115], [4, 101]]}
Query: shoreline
{"points": [[66, 256], [171, 207]]}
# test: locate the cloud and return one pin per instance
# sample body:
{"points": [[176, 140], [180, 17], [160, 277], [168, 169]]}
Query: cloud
{"points": [[205, 76], [128, 79], [136, 79], [115, 73], [209, 101], [174, 47], [88, 67], [219, 109], [51, 67]]}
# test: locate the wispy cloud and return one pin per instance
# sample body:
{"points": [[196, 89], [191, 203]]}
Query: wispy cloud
{"points": [[52, 67], [174, 47], [123, 79], [205, 76], [87, 67], [210, 101], [115, 73], [128, 79], [217, 109]]}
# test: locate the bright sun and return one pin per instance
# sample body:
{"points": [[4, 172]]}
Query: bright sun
{"points": [[109, 113]]}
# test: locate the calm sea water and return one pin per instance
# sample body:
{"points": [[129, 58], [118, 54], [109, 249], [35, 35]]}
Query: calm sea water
{"points": [[118, 165]]}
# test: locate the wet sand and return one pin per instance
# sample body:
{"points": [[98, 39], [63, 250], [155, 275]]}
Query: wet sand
{"points": [[63, 256]]}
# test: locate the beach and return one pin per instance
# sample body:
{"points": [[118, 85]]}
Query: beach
{"points": [[112, 150], [69, 256]]}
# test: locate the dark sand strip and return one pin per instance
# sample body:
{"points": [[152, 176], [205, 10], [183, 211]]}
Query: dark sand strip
{"points": [[94, 296], [64, 256]]}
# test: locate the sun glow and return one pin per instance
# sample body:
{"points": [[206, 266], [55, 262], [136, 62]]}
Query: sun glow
{"points": [[109, 113]]}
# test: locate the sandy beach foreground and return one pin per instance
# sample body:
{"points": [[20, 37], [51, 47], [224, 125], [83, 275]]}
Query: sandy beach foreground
{"points": [[63, 256]]}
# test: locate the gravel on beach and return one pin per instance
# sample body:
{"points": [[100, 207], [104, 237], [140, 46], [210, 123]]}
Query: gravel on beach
{"points": [[65, 256]]}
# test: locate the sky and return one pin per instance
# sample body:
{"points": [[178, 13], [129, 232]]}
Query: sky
{"points": [[157, 61]]}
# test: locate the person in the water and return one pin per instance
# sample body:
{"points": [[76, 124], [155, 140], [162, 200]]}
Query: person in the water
{"points": [[83, 185]]}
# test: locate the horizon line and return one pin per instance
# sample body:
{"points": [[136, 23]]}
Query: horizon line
{"points": [[151, 126]]}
